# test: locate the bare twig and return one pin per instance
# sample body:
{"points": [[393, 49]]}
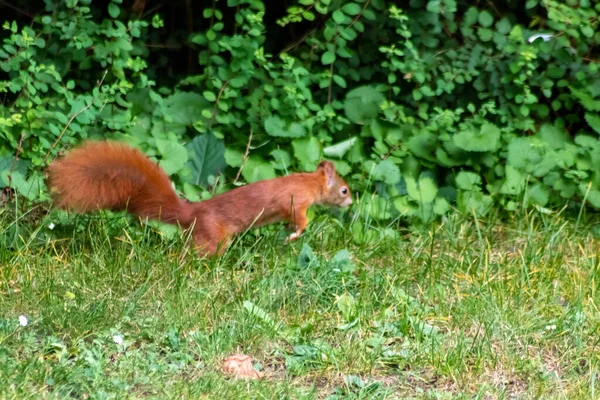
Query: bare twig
{"points": [[244, 158], [214, 113]]}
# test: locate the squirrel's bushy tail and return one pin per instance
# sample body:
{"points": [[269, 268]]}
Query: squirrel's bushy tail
{"points": [[114, 176]]}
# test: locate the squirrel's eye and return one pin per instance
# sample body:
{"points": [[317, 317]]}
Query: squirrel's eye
{"points": [[344, 191]]}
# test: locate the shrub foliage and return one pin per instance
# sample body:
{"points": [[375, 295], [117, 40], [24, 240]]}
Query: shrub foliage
{"points": [[434, 105]]}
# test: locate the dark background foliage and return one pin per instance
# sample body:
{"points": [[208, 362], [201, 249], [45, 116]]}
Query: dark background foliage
{"points": [[428, 104]]}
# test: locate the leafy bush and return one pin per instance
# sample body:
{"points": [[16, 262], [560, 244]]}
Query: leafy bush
{"points": [[435, 105]]}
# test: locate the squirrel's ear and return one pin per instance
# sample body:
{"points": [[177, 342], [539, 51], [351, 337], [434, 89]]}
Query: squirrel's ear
{"points": [[330, 174]]}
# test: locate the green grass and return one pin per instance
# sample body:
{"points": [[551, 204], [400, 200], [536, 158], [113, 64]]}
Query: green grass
{"points": [[465, 309]]}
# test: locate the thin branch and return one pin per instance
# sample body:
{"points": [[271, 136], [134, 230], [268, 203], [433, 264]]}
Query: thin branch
{"points": [[244, 158], [214, 113]]}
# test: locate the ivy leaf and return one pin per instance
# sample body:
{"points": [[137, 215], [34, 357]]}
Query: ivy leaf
{"points": [[424, 191], [174, 155], [593, 121], [207, 157], [386, 171], [275, 126], [256, 169], [308, 152], [487, 139], [362, 104]]}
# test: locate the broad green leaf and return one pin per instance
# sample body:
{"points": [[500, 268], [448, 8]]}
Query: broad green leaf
{"points": [[554, 137], [173, 155], [308, 152], [423, 191], [339, 149], [256, 169], [486, 138], [386, 171], [114, 10], [351, 9], [486, 19], [362, 104], [593, 121], [468, 181], [275, 126], [281, 159], [207, 157], [328, 58], [514, 183]]}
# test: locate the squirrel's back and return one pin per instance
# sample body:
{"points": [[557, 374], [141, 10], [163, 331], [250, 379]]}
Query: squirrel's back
{"points": [[114, 176]]}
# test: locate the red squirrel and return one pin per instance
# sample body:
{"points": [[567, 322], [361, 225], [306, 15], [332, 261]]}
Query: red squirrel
{"points": [[113, 176]]}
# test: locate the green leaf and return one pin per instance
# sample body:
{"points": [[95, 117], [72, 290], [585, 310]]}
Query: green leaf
{"points": [[308, 152], [256, 169], [207, 157], [351, 9], [328, 58], [593, 121], [487, 139], [555, 138], [424, 191], [233, 157], [275, 126], [339, 149], [114, 10], [468, 181], [173, 155], [281, 159], [362, 104], [306, 257], [514, 183], [486, 19], [386, 171], [210, 96]]}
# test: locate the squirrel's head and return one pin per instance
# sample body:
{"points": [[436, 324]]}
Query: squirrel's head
{"points": [[336, 191]]}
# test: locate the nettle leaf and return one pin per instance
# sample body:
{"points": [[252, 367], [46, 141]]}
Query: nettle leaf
{"points": [[308, 152], [554, 137], [424, 191], [362, 104], [282, 159], [386, 171], [591, 194], [256, 169], [185, 107], [468, 181], [593, 121], [485, 139], [514, 183], [207, 157], [275, 126], [233, 157], [173, 155]]}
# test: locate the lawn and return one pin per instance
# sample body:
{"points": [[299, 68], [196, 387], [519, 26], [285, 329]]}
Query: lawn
{"points": [[461, 309]]}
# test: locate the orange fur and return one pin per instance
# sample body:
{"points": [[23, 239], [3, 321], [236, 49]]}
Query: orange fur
{"points": [[111, 175]]}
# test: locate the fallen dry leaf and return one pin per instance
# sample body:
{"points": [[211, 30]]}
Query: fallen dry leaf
{"points": [[240, 366]]}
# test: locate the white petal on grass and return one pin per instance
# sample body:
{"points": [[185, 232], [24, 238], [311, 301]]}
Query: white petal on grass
{"points": [[51, 226], [118, 339], [23, 321]]}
